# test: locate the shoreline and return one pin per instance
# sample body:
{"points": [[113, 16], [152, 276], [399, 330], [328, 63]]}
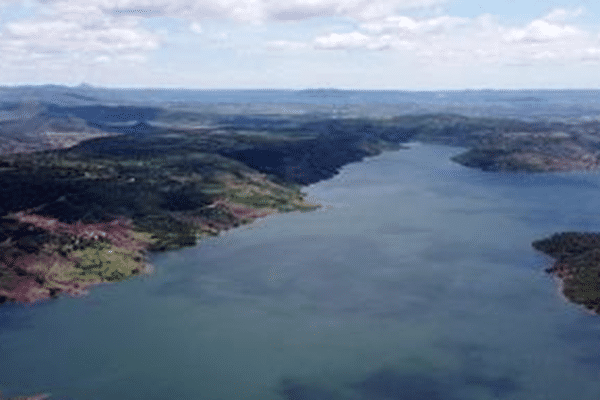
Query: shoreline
{"points": [[132, 252], [576, 266]]}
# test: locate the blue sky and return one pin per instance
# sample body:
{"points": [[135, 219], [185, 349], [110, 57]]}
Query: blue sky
{"points": [[350, 44]]}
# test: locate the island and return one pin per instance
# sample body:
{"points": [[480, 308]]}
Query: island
{"points": [[92, 183]]}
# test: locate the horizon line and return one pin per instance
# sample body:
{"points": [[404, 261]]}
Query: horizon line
{"points": [[289, 89]]}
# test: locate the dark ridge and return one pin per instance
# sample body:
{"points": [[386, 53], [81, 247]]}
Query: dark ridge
{"points": [[72, 200], [139, 129], [80, 97], [105, 114], [130, 146], [6, 106], [304, 161]]}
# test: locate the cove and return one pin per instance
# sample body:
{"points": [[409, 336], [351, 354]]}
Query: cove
{"points": [[415, 280]]}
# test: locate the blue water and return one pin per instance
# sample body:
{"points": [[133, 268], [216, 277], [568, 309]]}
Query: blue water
{"points": [[415, 280]]}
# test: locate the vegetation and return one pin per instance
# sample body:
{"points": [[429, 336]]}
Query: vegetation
{"points": [[577, 263], [86, 215]]}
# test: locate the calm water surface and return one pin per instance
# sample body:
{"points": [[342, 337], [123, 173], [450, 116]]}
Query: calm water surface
{"points": [[415, 281]]}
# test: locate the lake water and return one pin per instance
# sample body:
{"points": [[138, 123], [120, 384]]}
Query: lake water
{"points": [[415, 281]]}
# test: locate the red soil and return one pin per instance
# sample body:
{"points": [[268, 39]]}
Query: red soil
{"points": [[118, 231], [28, 283]]}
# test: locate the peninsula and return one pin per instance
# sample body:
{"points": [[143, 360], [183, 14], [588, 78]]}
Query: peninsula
{"points": [[577, 264]]}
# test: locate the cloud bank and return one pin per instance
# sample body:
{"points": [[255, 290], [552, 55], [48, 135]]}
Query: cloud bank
{"points": [[60, 35]]}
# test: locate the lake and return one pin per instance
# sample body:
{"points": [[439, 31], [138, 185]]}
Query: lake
{"points": [[415, 280]]}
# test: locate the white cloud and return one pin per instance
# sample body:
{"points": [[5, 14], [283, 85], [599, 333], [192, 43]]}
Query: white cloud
{"points": [[562, 14], [196, 28], [394, 32], [103, 34], [448, 40], [406, 26], [373, 10], [63, 36], [28, 29], [542, 31], [590, 54], [253, 10], [550, 27], [102, 59], [544, 55], [289, 45], [76, 33], [352, 40], [342, 41]]}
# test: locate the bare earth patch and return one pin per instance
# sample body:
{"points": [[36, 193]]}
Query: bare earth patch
{"points": [[46, 257]]}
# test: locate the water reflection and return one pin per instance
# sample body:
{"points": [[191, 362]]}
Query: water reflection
{"points": [[390, 384]]}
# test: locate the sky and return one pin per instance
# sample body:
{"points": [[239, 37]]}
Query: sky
{"points": [[297, 44]]}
